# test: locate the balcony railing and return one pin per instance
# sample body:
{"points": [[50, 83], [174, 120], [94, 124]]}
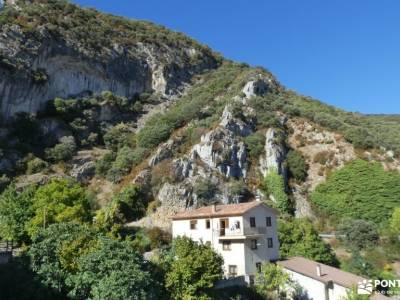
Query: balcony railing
{"points": [[241, 232]]}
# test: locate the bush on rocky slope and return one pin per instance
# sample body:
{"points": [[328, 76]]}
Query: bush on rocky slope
{"points": [[361, 190]]}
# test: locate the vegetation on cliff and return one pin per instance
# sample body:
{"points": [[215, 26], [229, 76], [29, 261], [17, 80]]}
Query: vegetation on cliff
{"points": [[361, 190]]}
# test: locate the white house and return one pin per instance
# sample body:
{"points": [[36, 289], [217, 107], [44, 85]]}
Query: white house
{"points": [[244, 234], [322, 282]]}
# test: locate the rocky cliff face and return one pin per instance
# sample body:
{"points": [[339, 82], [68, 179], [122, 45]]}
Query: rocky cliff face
{"points": [[220, 157], [37, 66], [242, 123]]}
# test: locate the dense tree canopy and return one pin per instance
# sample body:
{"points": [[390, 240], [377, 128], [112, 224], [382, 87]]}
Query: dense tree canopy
{"points": [[55, 252], [74, 260], [193, 271], [298, 237], [113, 270], [15, 211], [59, 201]]}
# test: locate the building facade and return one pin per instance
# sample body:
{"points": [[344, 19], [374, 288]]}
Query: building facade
{"points": [[244, 234]]}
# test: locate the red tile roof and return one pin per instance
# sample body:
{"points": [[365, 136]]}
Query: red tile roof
{"points": [[225, 210]]}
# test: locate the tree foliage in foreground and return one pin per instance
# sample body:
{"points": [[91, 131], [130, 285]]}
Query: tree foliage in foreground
{"points": [[271, 279], [193, 271], [23, 212], [113, 270], [60, 200], [298, 237], [15, 212], [73, 260]]}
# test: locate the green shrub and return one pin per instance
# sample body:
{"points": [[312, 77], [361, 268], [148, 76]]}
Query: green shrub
{"points": [[127, 206], [117, 136], [358, 234], [148, 239], [63, 151], [271, 279], [132, 203], [151, 135], [359, 137], [104, 164], [36, 165], [357, 264], [40, 76], [274, 186], [255, 144], [138, 107], [296, 165], [239, 190], [395, 221], [360, 190], [15, 211], [205, 189], [125, 159]]}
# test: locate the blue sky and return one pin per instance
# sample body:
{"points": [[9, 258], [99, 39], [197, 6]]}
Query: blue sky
{"points": [[346, 53]]}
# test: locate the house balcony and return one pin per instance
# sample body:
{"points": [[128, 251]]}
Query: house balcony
{"points": [[232, 234]]}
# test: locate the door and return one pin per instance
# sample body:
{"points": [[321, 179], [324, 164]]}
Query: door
{"points": [[223, 224]]}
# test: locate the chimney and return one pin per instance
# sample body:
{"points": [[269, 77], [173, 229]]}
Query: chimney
{"points": [[319, 274], [214, 208]]}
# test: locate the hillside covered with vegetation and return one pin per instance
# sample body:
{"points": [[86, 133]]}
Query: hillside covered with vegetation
{"points": [[89, 181]]}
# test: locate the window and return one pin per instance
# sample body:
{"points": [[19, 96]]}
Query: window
{"points": [[226, 245], [237, 224], [253, 244], [252, 222], [270, 243], [251, 279], [193, 224], [258, 267], [208, 224], [268, 221], [232, 270]]}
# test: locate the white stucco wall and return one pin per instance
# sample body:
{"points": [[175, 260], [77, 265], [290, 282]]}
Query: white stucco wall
{"points": [[338, 292], [315, 289]]}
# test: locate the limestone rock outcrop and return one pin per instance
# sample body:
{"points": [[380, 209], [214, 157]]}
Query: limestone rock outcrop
{"points": [[37, 68], [275, 154]]}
